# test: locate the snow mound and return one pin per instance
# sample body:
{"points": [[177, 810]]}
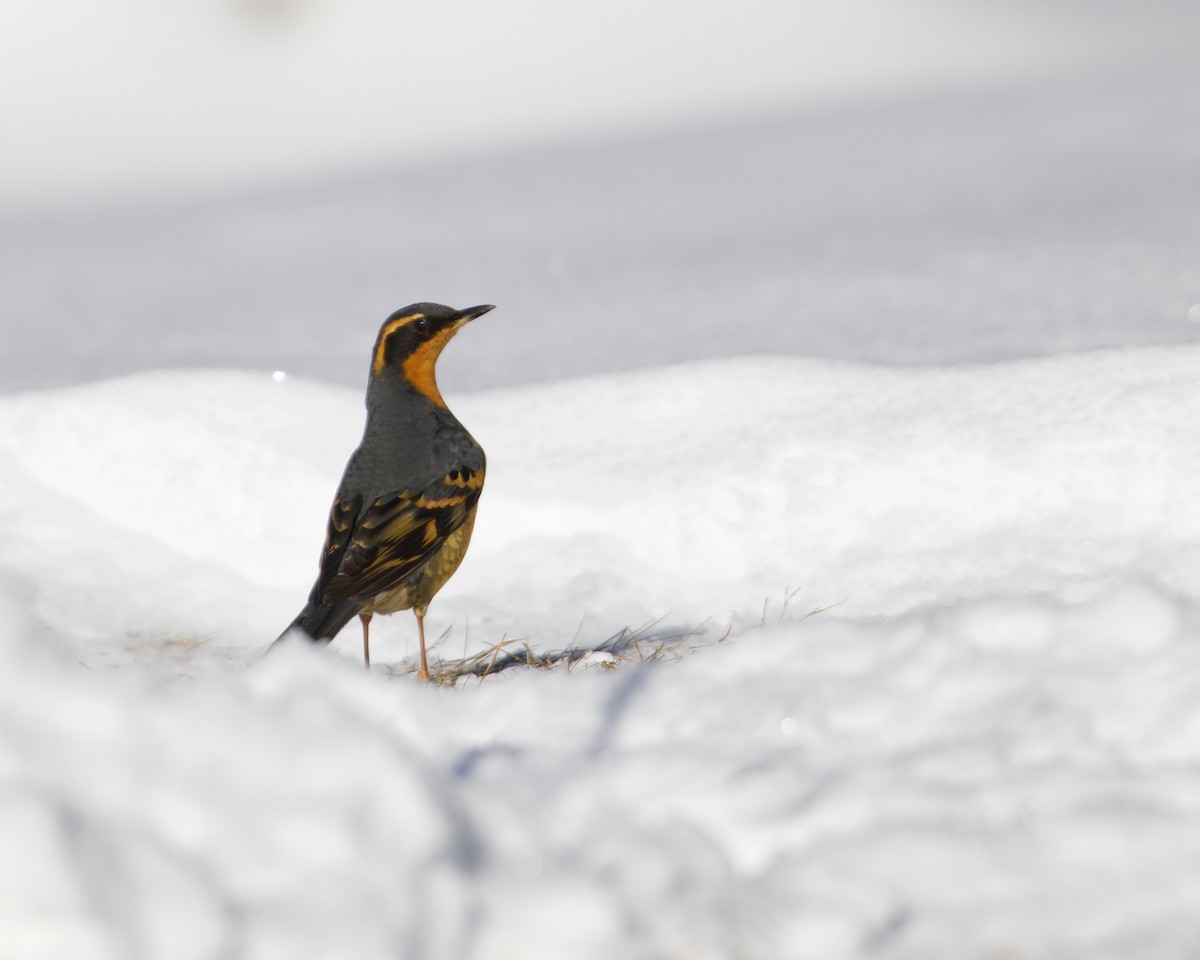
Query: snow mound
{"points": [[193, 505], [985, 747], [997, 779]]}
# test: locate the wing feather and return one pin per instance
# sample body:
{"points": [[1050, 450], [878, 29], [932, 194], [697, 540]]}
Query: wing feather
{"points": [[372, 550]]}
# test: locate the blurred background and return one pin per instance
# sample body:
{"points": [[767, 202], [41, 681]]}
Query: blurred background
{"points": [[258, 183]]}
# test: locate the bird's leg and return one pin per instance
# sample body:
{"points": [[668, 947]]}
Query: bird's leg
{"points": [[366, 622], [423, 673]]}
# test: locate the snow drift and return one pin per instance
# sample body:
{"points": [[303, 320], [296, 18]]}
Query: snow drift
{"points": [[983, 745]]}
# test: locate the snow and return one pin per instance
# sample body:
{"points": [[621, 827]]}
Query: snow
{"points": [[950, 226], [915, 671], [840, 419], [128, 98]]}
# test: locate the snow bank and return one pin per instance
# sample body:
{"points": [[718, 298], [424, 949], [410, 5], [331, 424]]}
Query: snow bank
{"points": [[987, 746], [186, 504]]}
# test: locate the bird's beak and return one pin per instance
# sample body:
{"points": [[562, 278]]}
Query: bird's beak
{"points": [[472, 312]]}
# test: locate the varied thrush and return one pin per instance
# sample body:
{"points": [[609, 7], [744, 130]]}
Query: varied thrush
{"points": [[404, 511]]}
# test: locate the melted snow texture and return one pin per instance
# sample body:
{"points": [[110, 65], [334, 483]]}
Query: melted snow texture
{"points": [[986, 749]]}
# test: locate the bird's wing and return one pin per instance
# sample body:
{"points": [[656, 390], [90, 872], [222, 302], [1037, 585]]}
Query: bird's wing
{"points": [[370, 549]]}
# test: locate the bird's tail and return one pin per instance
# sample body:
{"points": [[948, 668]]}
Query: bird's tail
{"points": [[321, 622]]}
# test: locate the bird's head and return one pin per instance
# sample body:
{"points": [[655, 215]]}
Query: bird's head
{"points": [[411, 340]]}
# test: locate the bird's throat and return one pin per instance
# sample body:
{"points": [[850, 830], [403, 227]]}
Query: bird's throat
{"points": [[419, 367]]}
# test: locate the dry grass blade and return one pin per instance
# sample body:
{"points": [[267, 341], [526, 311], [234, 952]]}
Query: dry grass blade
{"points": [[626, 644]]}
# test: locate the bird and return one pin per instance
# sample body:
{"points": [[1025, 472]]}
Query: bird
{"points": [[405, 508]]}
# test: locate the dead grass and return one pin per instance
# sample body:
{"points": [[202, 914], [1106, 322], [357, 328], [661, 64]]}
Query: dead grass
{"points": [[647, 643]]}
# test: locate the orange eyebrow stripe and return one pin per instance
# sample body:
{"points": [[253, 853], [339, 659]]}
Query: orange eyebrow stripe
{"points": [[377, 363]]}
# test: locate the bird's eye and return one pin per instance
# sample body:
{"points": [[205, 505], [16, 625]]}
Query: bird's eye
{"points": [[422, 324]]}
